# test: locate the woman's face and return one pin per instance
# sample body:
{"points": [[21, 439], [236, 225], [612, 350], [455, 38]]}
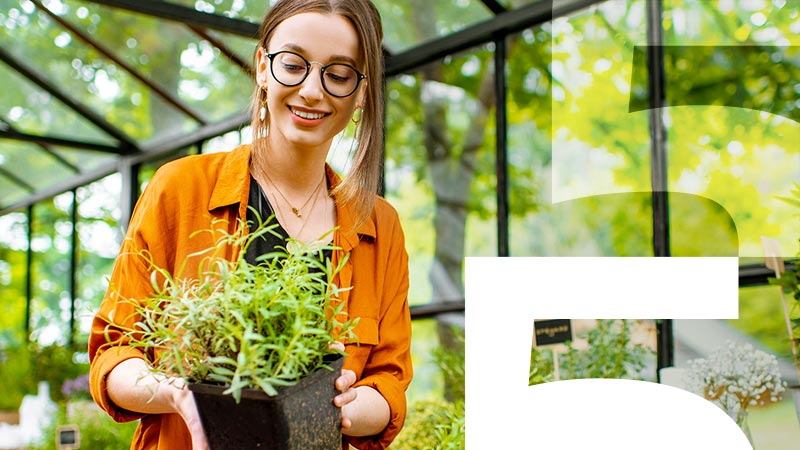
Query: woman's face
{"points": [[306, 115]]}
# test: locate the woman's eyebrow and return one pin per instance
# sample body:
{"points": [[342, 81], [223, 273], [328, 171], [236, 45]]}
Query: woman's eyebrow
{"points": [[301, 50]]}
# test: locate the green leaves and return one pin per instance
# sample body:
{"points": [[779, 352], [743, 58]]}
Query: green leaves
{"points": [[241, 325], [611, 353]]}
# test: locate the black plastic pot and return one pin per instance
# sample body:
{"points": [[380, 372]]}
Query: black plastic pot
{"points": [[300, 417]]}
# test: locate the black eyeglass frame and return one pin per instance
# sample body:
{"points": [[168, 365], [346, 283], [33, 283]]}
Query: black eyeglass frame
{"points": [[272, 56]]}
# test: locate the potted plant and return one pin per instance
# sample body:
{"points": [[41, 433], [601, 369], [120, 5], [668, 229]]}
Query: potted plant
{"points": [[253, 344]]}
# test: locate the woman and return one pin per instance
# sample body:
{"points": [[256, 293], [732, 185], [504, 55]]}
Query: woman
{"points": [[318, 66]]}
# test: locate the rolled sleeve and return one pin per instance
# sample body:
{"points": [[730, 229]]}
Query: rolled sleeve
{"points": [[102, 365], [393, 391], [389, 369]]}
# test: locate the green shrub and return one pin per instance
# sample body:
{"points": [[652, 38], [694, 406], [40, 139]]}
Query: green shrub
{"points": [[15, 371], [433, 424], [438, 423], [98, 431], [22, 367]]}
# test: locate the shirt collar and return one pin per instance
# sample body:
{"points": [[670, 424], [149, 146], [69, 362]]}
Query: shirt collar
{"points": [[233, 186]]}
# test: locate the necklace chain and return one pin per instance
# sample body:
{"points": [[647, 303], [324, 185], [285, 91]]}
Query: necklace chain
{"points": [[298, 234], [297, 211]]}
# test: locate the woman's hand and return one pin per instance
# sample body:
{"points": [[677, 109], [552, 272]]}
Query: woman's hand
{"points": [[185, 406], [343, 383], [364, 410], [348, 395], [132, 386]]}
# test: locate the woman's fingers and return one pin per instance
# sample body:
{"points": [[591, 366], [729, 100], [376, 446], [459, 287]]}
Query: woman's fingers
{"points": [[345, 380], [336, 346], [343, 383], [187, 408], [345, 397]]}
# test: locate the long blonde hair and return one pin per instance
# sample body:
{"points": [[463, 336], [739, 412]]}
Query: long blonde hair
{"points": [[359, 186]]}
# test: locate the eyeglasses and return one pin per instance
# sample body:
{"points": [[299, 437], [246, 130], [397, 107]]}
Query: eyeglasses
{"points": [[290, 69]]}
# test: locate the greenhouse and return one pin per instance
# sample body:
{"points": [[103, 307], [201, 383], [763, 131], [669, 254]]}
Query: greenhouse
{"points": [[512, 128]]}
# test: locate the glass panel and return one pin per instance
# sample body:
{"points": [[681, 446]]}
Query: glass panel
{"points": [[32, 164], [33, 111], [428, 19], [243, 48], [745, 155], [13, 248], [408, 23], [171, 56], [245, 10], [579, 161], [86, 160], [51, 245], [32, 37], [10, 192], [100, 238], [440, 173]]}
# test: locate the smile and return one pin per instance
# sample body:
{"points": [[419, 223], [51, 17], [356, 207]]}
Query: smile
{"points": [[307, 115]]}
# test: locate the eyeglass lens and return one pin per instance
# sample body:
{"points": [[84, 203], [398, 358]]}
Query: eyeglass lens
{"points": [[291, 69]]}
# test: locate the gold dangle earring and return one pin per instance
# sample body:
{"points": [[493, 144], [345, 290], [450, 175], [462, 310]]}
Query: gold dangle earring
{"points": [[262, 112], [356, 116]]}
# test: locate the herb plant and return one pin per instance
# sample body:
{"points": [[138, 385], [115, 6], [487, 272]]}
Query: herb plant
{"points": [[240, 325]]}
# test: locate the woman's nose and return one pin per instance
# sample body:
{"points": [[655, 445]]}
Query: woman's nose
{"points": [[311, 88]]}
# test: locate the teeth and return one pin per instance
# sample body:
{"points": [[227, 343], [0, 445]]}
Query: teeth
{"points": [[307, 115]]}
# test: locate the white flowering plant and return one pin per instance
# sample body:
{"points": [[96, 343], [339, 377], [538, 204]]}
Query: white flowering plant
{"points": [[735, 378]]}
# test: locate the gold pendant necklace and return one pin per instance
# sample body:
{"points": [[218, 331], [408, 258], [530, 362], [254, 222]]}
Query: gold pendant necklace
{"points": [[297, 211]]}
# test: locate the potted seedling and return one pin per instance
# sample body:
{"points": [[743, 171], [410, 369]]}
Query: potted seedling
{"points": [[253, 343]]}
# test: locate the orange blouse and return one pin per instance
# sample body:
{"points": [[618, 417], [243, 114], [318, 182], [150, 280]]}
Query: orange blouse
{"points": [[198, 192]]}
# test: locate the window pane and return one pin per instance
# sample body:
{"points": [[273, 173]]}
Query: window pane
{"points": [[408, 23], [85, 160], [51, 245], [31, 110], [33, 164], [13, 249], [86, 75], [250, 11], [171, 56], [10, 192], [741, 151], [440, 169], [582, 189], [100, 238]]}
